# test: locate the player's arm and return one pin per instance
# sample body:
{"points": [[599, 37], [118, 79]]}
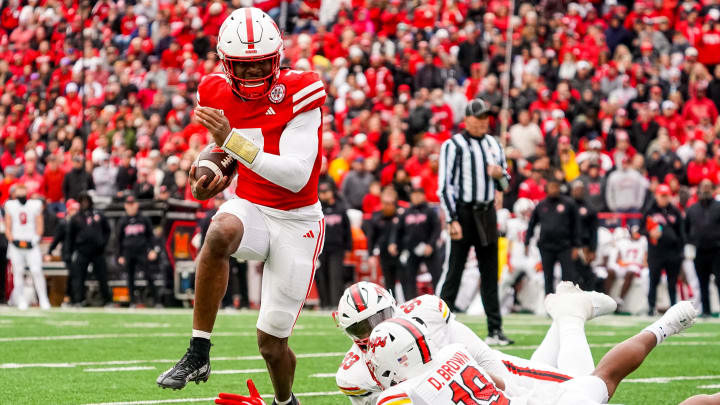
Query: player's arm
{"points": [[39, 227], [8, 226], [486, 357], [290, 169]]}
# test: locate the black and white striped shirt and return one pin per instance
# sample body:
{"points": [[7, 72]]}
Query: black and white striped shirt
{"points": [[462, 173]]}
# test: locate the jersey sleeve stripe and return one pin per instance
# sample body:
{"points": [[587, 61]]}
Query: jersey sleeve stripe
{"points": [[536, 374], [300, 105], [399, 402], [307, 90], [354, 393], [394, 398]]}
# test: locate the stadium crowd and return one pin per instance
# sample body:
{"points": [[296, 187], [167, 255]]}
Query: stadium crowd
{"points": [[620, 98]]}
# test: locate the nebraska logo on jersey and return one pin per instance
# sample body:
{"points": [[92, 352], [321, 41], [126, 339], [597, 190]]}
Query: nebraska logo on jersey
{"points": [[277, 93]]}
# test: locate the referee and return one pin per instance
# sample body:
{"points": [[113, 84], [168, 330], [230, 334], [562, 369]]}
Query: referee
{"points": [[472, 168]]}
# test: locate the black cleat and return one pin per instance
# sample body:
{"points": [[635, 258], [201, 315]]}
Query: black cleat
{"points": [[498, 338], [194, 366]]}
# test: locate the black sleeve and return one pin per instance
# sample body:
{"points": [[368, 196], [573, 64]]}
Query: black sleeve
{"points": [[397, 231], [681, 227], [90, 182], [105, 226], [121, 235], [148, 234], [435, 227], [72, 232], [687, 225], [575, 225], [531, 225], [60, 233], [369, 229]]}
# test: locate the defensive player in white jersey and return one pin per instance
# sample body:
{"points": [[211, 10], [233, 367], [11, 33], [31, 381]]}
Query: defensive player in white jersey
{"points": [[23, 229], [522, 286], [412, 369], [365, 305], [628, 260]]}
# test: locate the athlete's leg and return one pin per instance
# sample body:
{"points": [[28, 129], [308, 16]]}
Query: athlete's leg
{"points": [[287, 278], [17, 259], [569, 312], [222, 240], [702, 400], [627, 283], [34, 261], [627, 356], [547, 352]]}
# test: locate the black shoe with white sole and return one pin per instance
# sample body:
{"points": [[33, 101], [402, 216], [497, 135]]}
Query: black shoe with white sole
{"points": [[194, 366], [498, 338]]}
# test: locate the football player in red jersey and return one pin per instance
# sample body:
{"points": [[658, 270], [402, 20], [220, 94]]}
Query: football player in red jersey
{"points": [[269, 119]]}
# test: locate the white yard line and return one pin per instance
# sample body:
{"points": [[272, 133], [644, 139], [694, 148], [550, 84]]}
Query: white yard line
{"points": [[246, 371], [323, 375], [138, 335], [128, 362], [709, 387], [184, 400], [663, 380], [113, 369]]}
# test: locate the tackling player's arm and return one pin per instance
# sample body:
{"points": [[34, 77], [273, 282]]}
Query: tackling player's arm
{"points": [[291, 169]]}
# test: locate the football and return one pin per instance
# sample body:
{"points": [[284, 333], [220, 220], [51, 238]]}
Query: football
{"points": [[213, 161]]}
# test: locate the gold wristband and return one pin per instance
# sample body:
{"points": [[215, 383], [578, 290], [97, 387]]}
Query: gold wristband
{"points": [[241, 147]]}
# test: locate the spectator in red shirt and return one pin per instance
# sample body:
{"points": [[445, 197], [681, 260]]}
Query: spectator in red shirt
{"points": [[534, 187], [672, 121], [31, 178], [6, 183], [429, 179], [52, 185], [701, 167], [699, 105]]}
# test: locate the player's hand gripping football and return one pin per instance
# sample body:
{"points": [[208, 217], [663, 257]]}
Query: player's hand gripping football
{"points": [[202, 192], [215, 122], [235, 399]]}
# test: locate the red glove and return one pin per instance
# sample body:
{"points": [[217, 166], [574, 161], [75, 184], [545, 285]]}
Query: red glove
{"points": [[235, 399]]}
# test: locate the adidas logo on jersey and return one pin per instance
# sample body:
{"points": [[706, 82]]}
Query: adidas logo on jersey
{"points": [[270, 111], [309, 234]]}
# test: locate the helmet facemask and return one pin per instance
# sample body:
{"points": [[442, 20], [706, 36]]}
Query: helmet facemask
{"points": [[360, 331], [255, 87]]}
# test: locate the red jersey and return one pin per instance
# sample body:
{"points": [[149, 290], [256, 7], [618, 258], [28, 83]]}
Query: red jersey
{"points": [[293, 93]]}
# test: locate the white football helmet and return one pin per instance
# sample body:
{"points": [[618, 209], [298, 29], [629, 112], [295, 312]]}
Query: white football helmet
{"points": [[249, 36], [398, 349], [523, 208], [362, 307]]}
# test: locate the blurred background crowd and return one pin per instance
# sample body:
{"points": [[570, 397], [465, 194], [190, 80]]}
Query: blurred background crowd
{"points": [[620, 98]]}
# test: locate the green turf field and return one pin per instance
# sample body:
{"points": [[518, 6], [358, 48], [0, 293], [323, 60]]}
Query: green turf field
{"points": [[114, 356]]}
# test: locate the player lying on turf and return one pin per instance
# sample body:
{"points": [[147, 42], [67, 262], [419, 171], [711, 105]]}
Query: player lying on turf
{"points": [[365, 305], [702, 400], [413, 370], [268, 119]]}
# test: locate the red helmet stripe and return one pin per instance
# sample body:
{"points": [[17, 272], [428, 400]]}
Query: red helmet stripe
{"points": [[250, 33], [419, 338], [358, 299]]}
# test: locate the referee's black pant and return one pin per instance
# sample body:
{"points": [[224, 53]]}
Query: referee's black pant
{"points": [[479, 230], [551, 256], [707, 262]]}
